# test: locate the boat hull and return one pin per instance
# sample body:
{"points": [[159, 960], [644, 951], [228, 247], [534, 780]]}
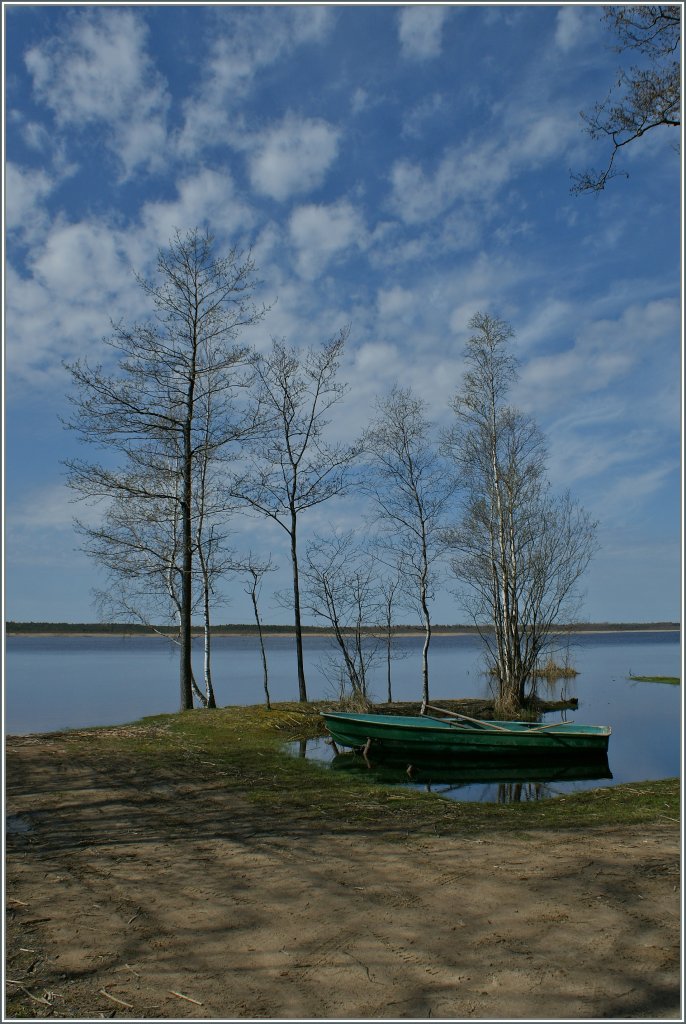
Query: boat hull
{"points": [[431, 737]]}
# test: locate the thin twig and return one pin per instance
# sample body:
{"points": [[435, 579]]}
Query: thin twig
{"points": [[128, 967], [115, 1000], [180, 995], [36, 999]]}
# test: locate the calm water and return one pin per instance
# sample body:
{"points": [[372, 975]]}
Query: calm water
{"points": [[53, 683]]}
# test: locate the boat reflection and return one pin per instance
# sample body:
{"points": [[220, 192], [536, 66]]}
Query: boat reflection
{"points": [[508, 783]]}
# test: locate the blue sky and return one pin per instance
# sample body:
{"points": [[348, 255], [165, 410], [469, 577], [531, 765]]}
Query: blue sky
{"points": [[397, 168]]}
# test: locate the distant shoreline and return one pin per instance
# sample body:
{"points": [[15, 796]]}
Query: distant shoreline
{"points": [[79, 632]]}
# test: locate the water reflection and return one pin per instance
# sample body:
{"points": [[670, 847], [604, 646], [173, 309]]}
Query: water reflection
{"points": [[477, 780]]}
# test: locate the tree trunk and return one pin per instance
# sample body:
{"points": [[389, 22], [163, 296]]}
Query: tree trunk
{"points": [[262, 650], [198, 692], [209, 701], [209, 689], [423, 586], [186, 664], [185, 636], [389, 636], [425, 651], [302, 689]]}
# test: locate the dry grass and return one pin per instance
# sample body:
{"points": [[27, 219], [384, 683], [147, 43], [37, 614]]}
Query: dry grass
{"points": [[551, 671]]}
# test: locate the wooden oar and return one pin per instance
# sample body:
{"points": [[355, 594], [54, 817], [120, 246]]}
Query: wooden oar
{"points": [[433, 718], [552, 725], [477, 721]]}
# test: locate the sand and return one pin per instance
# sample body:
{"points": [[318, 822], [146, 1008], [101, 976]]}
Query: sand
{"points": [[163, 897]]}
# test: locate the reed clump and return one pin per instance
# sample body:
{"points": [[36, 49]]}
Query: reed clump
{"points": [[551, 671]]}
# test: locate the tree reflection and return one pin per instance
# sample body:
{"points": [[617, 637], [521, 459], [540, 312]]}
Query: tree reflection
{"points": [[520, 792]]}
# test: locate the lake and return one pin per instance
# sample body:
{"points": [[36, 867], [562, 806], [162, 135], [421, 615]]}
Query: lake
{"points": [[67, 682]]}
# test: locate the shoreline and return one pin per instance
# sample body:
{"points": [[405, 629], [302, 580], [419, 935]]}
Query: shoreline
{"points": [[290, 634]]}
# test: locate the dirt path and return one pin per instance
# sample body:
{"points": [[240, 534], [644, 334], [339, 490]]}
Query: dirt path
{"points": [[127, 894]]}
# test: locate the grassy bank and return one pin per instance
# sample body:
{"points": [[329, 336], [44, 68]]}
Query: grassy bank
{"points": [[244, 749]]}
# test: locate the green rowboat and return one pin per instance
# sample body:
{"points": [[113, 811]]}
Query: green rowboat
{"points": [[459, 736]]}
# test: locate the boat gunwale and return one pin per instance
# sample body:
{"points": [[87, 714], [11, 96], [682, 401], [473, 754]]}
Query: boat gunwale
{"points": [[430, 724]]}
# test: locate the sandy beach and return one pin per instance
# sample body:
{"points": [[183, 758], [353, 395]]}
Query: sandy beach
{"points": [[169, 897]]}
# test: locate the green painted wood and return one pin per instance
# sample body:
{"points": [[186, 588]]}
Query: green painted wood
{"points": [[432, 736]]}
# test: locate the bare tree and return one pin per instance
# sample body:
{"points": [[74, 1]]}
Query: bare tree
{"points": [[340, 589], [149, 412], [649, 95], [518, 550], [256, 571], [138, 542], [211, 510], [290, 467], [390, 592], [411, 487]]}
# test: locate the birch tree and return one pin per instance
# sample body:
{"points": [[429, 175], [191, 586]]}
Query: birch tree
{"points": [[290, 467], [410, 486], [518, 550], [147, 414]]}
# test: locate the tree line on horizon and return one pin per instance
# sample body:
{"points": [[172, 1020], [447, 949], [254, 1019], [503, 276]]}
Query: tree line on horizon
{"points": [[247, 627], [196, 428]]}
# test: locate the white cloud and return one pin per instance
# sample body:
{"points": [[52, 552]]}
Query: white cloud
{"points": [[81, 263], [310, 24], [396, 302], [293, 156], [416, 118], [359, 101], [99, 73], [321, 232], [603, 352], [420, 31], [472, 171], [60, 308], [379, 359], [244, 42], [50, 506], [569, 28], [25, 192], [45, 325], [36, 136], [79, 275], [625, 495], [208, 196], [478, 169], [550, 318]]}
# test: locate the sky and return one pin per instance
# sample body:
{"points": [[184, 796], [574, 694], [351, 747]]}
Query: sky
{"points": [[394, 168]]}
